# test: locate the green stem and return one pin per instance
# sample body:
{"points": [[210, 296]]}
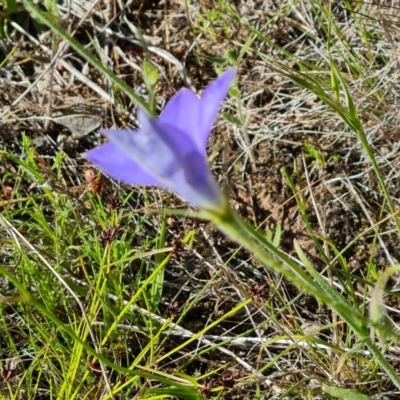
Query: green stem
{"points": [[233, 226]]}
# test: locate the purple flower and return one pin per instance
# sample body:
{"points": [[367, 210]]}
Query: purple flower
{"points": [[169, 151]]}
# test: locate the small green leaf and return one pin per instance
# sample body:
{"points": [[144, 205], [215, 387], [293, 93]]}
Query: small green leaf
{"points": [[215, 60], [232, 56], [232, 119], [257, 395], [234, 92], [380, 322], [11, 6], [312, 152], [344, 394], [278, 233], [51, 7], [150, 74]]}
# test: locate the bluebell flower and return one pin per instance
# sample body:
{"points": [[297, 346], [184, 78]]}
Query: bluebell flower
{"points": [[169, 151]]}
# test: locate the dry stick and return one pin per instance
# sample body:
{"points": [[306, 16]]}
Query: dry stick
{"points": [[17, 235], [58, 48], [178, 328], [178, 331], [5, 203]]}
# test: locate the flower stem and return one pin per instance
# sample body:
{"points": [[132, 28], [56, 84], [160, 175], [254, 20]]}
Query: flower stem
{"points": [[233, 226]]}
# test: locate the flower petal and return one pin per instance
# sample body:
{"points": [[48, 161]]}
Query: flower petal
{"points": [[183, 111], [211, 101], [158, 152], [194, 116], [172, 157], [119, 165]]}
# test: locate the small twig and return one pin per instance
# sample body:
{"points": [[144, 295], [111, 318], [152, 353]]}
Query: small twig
{"points": [[178, 328], [6, 203], [252, 341]]}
